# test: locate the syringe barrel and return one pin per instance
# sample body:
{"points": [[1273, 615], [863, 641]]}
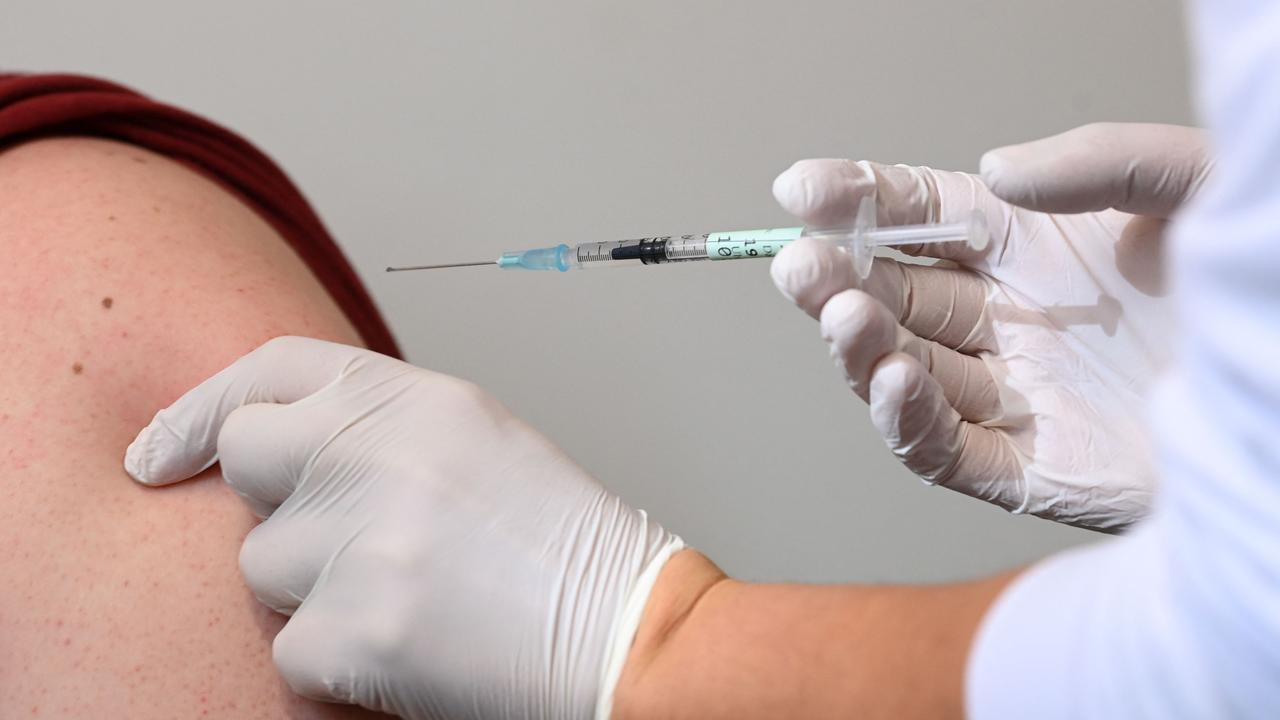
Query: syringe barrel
{"points": [[745, 244], [646, 251], [732, 245], [649, 251]]}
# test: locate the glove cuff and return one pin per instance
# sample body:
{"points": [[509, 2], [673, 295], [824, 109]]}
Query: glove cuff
{"points": [[627, 622]]}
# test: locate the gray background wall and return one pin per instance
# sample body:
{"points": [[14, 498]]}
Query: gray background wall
{"points": [[442, 131]]}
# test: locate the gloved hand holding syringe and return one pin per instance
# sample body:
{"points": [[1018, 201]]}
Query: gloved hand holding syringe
{"points": [[860, 241]]}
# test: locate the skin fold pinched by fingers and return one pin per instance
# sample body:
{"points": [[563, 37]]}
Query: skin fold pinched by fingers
{"points": [[185, 435]]}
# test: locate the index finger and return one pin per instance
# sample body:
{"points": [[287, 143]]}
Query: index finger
{"points": [[182, 440], [826, 193]]}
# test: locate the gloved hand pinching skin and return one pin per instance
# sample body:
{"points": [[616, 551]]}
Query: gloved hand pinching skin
{"points": [[439, 557], [1016, 374]]}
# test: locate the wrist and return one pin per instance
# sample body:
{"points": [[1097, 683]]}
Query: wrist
{"points": [[712, 647], [687, 578]]}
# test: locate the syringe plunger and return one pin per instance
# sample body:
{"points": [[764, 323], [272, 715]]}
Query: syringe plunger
{"points": [[862, 240]]}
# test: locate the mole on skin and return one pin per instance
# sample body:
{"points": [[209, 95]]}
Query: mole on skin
{"points": [[77, 368], [106, 302]]}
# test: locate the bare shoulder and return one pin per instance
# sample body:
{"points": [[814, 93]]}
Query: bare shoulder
{"points": [[115, 252], [126, 279]]}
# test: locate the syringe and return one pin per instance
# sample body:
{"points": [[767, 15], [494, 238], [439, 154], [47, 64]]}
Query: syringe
{"points": [[860, 241]]}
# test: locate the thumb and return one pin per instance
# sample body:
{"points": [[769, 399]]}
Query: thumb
{"points": [[1140, 168], [182, 439]]}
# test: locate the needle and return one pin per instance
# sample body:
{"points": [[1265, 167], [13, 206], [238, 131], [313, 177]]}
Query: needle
{"points": [[436, 267]]}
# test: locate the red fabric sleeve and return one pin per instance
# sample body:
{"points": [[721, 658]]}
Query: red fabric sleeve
{"points": [[40, 105]]}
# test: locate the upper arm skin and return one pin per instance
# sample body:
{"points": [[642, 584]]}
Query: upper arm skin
{"points": [[126, 280]]}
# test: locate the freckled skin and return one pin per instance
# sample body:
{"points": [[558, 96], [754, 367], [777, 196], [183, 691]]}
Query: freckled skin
{"points": [[118, 600]]}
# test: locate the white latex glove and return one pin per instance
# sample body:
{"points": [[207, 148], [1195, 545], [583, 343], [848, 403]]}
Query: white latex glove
{"points": [[1017, 374], [439, 557]]}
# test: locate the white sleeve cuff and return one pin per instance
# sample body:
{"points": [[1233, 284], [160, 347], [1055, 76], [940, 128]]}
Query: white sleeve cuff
{"points": [[1089, 633]]}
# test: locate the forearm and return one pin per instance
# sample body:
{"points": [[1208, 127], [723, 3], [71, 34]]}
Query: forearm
{"points": [[709, 646]]}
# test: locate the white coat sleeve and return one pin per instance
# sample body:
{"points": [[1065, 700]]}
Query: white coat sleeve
{"points": [[1181, 619]]}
